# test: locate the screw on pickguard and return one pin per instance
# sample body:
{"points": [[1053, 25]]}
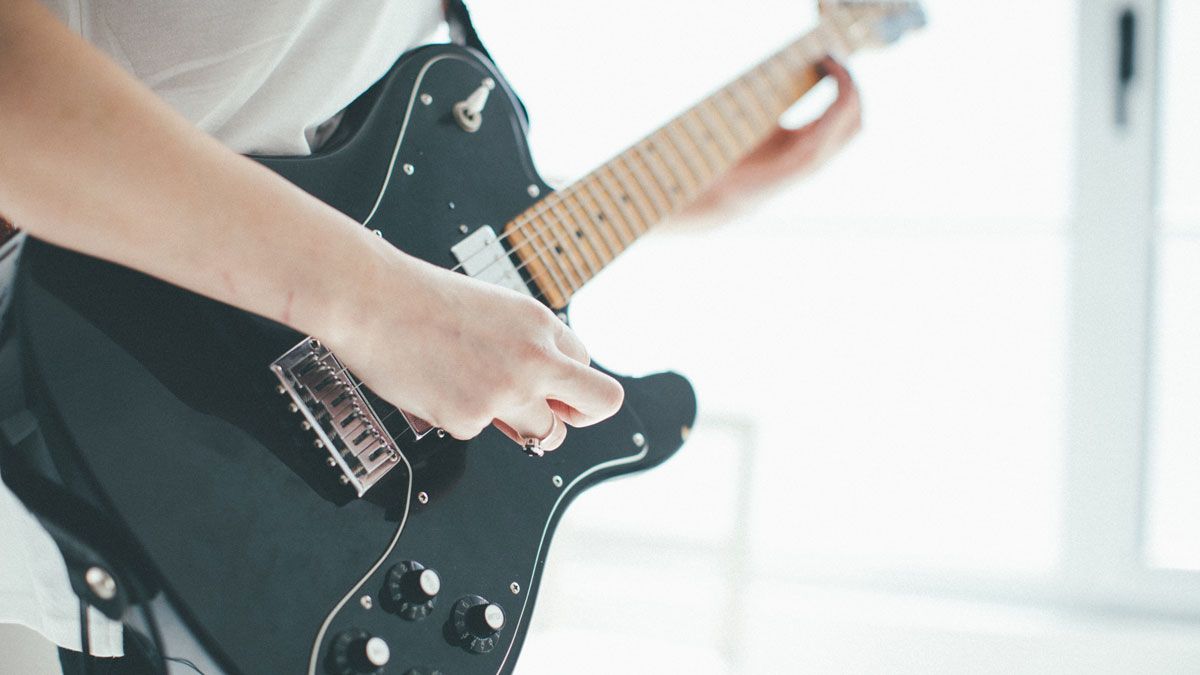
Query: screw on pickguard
{"points": [[342, 413]]}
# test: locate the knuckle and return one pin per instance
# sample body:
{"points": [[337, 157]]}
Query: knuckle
{"points": [[537, 351], [459, 431], [466, 429], [537, 314], [476, 410], [505, 383]]}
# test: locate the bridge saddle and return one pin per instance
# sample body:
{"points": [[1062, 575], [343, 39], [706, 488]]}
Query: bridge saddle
{"points": [[337, 408]]}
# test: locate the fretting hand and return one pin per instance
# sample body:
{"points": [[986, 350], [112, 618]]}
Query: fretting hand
{"points": [[788, 154]]}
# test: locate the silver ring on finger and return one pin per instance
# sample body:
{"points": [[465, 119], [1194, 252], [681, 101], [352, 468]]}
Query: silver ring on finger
{"points": [[533, 445]]}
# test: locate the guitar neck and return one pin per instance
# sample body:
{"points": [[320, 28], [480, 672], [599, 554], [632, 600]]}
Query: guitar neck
{"points": [[567, 238]]}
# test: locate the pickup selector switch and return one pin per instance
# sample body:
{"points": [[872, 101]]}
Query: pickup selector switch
{"points": [[357, 652], [477, 623], [411, 589]]}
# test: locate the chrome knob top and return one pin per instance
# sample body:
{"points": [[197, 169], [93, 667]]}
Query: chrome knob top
{"points": [[429, 582], [493, 617], [411, 590], [477, 623], [377, 652]]}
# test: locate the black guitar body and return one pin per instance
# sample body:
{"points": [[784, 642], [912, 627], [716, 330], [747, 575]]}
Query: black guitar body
{"points": [[165, 402]]}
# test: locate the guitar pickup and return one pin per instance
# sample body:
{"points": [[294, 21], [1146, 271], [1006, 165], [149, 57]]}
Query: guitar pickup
{"points": [[337, 408], [481, 255]]}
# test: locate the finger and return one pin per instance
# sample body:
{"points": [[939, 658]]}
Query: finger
{"points": [[592, 395], [463, 430], [570, 344], [507, 430], [782, 143], [568, 414], [536, 420], [833, 68], [847, 97], [557, 434]]}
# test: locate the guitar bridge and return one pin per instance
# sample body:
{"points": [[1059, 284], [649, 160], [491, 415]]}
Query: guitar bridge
{"points": [[337, 409]]}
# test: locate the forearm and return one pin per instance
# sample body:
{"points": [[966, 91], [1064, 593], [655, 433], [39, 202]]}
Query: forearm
{"points": [[92, 160]]}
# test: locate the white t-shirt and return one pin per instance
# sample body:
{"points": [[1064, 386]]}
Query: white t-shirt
{"points": [[261, 76]]}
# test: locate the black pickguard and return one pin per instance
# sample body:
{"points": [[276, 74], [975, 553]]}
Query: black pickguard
{"points": [[167, 404]]}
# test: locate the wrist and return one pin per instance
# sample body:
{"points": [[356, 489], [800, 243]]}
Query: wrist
{"points": [[366, 269]]}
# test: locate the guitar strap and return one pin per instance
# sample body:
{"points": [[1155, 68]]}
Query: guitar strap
{"points": [[33, 465], [11, 242]]}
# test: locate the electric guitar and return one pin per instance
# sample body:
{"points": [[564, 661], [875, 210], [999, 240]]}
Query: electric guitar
{"points": [[295, 522]]}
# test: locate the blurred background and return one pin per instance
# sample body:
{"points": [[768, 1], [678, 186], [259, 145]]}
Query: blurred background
{"points": [[949, 386]]}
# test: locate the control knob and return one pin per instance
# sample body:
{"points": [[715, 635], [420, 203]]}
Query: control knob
{"points": [[357, 652], [477, 623], [411, 589]]}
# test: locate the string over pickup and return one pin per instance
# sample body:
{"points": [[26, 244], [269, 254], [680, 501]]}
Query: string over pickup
{"points": [[337, 409]]}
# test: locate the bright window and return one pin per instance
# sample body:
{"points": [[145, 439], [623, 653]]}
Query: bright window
{"points": [[1173, 525]]}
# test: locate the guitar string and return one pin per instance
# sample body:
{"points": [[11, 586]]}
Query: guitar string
{"points": [[543, 210], [358, 386], [809, 57], [545, 206], [809, 54]]}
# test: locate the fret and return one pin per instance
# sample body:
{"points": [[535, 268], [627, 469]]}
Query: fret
{"points": [[768, 86], [693, 159], [589, 217], [635, 170], [698, 130], [583, 236], [721, 133], [613, 214], [743, 131], [825, 40], [562, 248], [647, 183], [762, 117], [810, 54], [666, 179], [843, 29], [692, 183], [772, 100], [583, 223], [628, 206], [750, 111], [641, 201], [576, 235], [592, 222], [775, 65], [538, 269], [546, 248], [607, 211]]}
